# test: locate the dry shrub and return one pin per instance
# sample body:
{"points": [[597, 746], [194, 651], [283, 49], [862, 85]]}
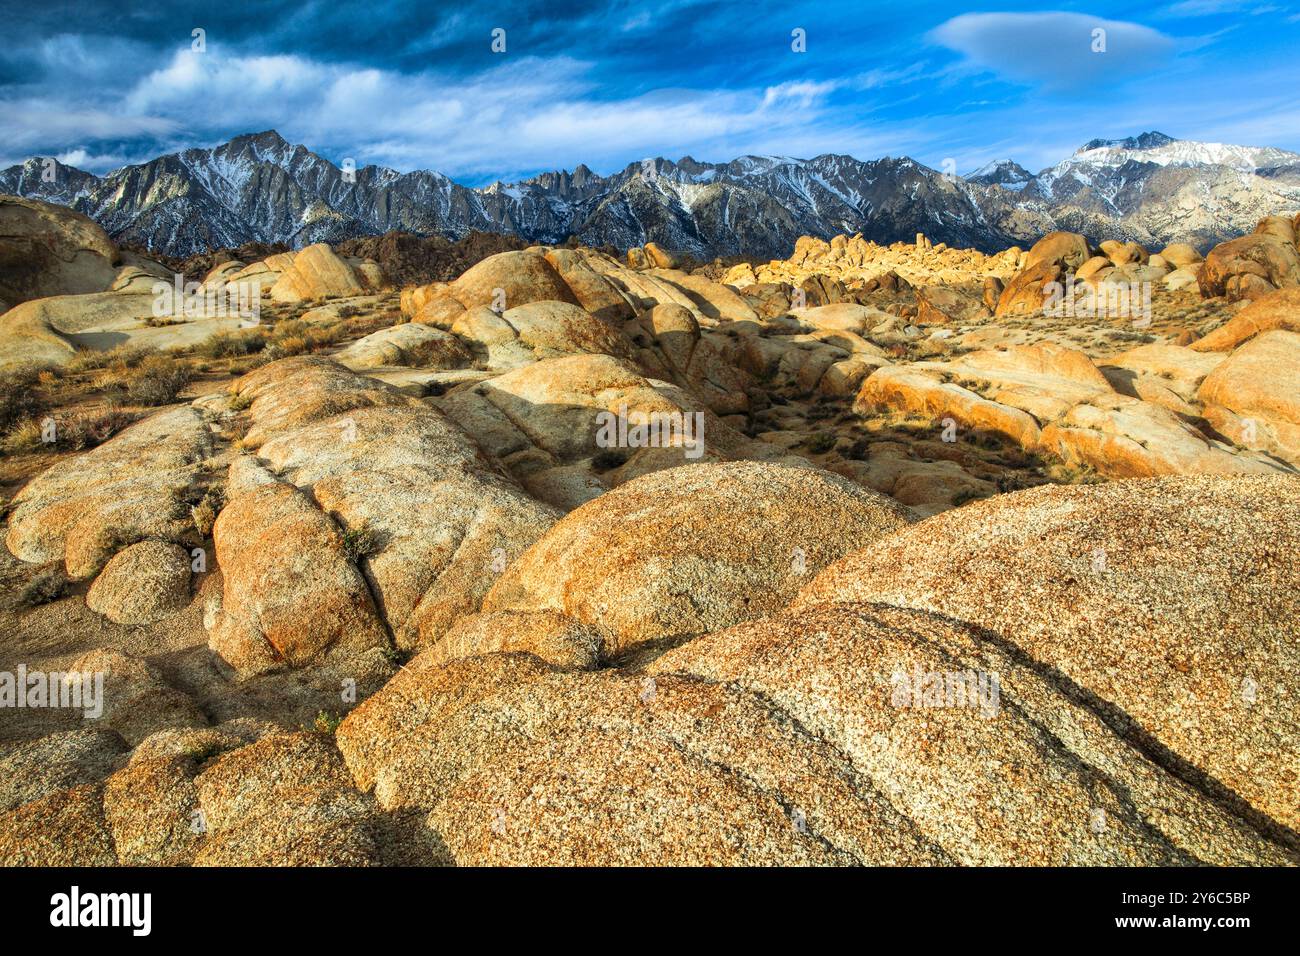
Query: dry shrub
{"points": [[157, 380], [75, 432], [232, 344], [26, 436], [205, 512], [20, 395], [90, 428], [49, 584], [120, 356]]}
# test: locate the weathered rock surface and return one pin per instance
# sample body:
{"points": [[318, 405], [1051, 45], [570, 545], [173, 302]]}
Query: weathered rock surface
{"points": [[556, 638], [83, 510], [1170, 602], [411, 344], [50, 250], [556, 413], [317, 273], [683, 551], [1251, 266], [1058, 786], [137, 702], [1254, 395], [611, 769], [520, 277], [352, 525], [53, 763], [142, 583], [286, 800], [1051, 399], [1068, 250], [1276, 310]]}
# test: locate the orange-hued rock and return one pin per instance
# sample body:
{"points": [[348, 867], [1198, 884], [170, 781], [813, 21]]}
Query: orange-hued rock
{"points": [[291, 594], [1170, 602], [1179, 254], [910, 392], [593, 290], [317, 273], [1277, 310], [1028, 289], [1122, 437], [1254, 395], [1069, 250], [682, 551], [510, 279], [1250, 267], [556, 638], [83, 510]]}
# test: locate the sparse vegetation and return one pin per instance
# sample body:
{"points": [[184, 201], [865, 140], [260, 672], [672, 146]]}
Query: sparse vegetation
{"points": [[157, 380], [295, 337], [120, 356], [90, 428], [232, 344], [26, 436], [361, 542], [821, 443], [49, 584], [327, 722], [205, 512], [20, 395]]}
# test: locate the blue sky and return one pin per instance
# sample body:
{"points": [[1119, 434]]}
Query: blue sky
{"points": [[417, 85]]}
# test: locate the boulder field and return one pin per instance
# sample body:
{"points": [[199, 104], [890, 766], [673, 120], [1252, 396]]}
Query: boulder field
{"points": [[856, 558]]}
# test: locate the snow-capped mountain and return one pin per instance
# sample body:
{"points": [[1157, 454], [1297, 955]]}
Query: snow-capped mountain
{"points": [[259, 187], [1006, 173]]}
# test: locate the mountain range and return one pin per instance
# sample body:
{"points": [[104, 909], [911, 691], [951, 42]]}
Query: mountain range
{"points": [[259, 187]]}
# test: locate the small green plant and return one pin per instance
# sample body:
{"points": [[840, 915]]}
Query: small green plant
{"points": [[361, 542], [327, 722]]}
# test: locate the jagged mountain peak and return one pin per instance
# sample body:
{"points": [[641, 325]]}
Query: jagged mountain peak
{"points": [[1006, 173], [260, 187], [1148, 140]]}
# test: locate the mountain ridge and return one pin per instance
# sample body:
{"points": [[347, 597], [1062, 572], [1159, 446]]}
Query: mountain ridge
{"points": [[259, 187]]}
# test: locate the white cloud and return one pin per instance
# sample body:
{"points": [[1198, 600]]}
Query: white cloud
{"points": [[1056, 50], [31, 123], [523, 115]]}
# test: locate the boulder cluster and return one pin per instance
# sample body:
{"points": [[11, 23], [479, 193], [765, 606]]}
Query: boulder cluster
{"points": [[441, 595], [69, 288]]}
